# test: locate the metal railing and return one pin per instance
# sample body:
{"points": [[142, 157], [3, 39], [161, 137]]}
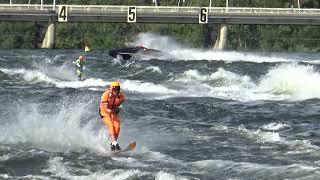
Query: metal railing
{"points": [[22, 7], [101, 9]]}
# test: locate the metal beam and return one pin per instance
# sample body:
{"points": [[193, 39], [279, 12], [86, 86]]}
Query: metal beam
{"points": [[161, 14]]}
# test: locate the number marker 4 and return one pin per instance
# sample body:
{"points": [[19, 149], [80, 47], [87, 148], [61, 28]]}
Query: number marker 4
{"points": [[63, 14]]}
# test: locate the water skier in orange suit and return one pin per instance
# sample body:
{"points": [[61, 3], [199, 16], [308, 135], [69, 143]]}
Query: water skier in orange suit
{"points": [[110, 101]]}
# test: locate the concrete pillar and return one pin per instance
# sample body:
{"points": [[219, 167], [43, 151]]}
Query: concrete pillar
{"points": [[50, 36], [221, 41], [215, 36]]}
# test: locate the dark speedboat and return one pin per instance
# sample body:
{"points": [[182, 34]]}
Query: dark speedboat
{"points": [[129, 52]]}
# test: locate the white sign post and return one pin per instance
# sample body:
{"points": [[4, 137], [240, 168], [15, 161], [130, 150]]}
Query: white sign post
{"points": [[54, 5]]}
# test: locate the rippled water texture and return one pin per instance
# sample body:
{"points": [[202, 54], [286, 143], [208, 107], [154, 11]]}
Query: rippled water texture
{"points": [[199, 114]]}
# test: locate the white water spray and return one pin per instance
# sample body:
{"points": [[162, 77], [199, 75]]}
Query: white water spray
{"points": [[65, 126], [178, 51]]}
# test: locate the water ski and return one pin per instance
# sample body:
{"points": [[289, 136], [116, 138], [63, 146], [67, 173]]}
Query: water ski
{"points": [[130, 147]]}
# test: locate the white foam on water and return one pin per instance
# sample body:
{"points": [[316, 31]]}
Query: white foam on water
{"points": [[154, 69], [118, 174], [154, 156], [62, 72], [154, 41], [192, 75], [227, 56], [302, 147], [5, 176], [146, 87], [290, 82], [220, 127], [177, 51], [220, 78], [274, 126], [5, 157], [61, 169], [35, 76], [28, 75], [297, 146], [61, 129], [168, 176], [57, 167], [261, 135], [266, 171], [130, 162], [91, 82], [300, 82], [130, 85], [316, 62], [220, 84], [284, 82]]}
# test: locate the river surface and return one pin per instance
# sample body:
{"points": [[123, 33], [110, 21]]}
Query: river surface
{"points": [[198, 114]]}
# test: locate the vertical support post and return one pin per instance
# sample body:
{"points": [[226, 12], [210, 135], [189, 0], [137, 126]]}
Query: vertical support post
{"points": [[54, 5], [41, 4], [299, 5], [227, 5]]}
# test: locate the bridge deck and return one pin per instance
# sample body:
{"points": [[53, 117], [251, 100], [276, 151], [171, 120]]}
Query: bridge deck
{"points": [[161, 14]]}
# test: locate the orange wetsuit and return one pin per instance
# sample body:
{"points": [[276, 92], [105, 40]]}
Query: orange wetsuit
{"points": [[109, 102]]}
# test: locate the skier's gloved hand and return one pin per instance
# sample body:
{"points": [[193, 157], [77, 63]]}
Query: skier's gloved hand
{"points": [[116, 110]]}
